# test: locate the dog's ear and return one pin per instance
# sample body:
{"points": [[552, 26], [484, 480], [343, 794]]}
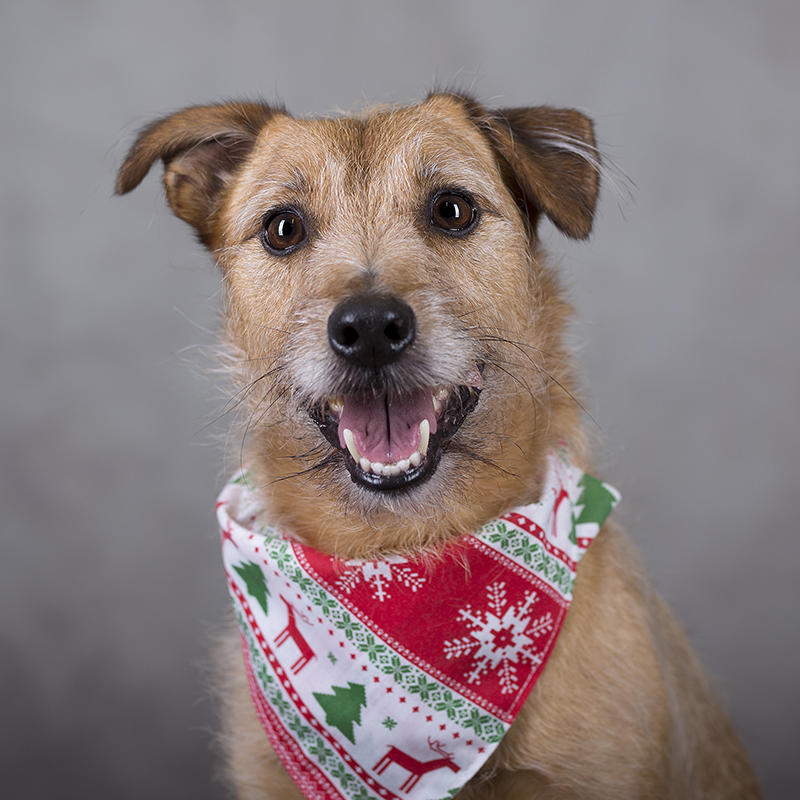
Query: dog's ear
{"points": [[550, 161], [201, 147]]}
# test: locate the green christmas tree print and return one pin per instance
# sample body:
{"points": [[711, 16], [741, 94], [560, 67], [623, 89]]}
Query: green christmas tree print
{"points": [[256, 584], [597, 500], [343, 707]]}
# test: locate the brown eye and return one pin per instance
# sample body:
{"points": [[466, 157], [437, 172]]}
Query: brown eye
{"points": [[452, 213], [283, 231]]}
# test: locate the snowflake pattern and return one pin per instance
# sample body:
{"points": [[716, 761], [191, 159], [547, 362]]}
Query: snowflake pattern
{"points": [[378, 575], [501, 637]]}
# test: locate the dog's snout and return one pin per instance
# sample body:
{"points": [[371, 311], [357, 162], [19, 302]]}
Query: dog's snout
{"points": [[371, 330]]}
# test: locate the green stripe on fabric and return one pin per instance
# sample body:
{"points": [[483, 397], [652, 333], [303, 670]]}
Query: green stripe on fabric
{"points": [[526, 548]]}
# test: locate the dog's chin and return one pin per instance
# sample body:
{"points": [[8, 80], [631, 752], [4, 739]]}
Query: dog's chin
{"points": [[402, 466]]}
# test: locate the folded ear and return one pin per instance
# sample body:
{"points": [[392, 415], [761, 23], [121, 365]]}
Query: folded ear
{"points": [[550, 161], [201, 147]]}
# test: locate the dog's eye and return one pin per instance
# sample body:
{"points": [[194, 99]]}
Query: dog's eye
{"points": [[283, 230], [452, 213]]}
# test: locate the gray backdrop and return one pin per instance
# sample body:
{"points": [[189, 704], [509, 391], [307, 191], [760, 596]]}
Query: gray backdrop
{"points": [[110, 585]]}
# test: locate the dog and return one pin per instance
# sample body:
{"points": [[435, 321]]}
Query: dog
{"points": [[397, 338]]}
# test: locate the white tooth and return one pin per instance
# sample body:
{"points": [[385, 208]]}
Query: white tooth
{"points": [[424, 435], [415, 459], [403, 465], [377, 467], [393, 469], [350, 441], [365, 464]]}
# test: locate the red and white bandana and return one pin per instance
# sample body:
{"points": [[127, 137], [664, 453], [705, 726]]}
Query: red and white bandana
{"points": [[398, 678]]}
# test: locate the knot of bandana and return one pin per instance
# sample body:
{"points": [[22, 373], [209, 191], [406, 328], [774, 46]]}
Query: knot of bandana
{"points": [[399, 677]]}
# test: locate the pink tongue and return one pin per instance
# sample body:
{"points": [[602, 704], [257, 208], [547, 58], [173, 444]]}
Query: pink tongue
{"points": [[386, 431]]}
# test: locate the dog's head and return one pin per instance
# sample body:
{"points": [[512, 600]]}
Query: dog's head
{"points": [[394, 328]]}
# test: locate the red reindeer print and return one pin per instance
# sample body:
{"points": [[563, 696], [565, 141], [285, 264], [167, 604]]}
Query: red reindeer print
{"points": [[291, 631], [415, 767]]}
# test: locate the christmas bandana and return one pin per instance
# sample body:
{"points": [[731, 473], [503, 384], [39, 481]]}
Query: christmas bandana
{"points": [[398, 678]]}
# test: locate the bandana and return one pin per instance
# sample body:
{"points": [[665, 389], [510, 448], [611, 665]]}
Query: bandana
{"points": [[398, 678]]}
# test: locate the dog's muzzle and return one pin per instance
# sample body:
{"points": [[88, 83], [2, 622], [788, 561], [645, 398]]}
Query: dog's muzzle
{"points": [[390, 438]]}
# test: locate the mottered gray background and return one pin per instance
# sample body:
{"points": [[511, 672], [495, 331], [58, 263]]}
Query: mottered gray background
{"points": [[110, 583]]}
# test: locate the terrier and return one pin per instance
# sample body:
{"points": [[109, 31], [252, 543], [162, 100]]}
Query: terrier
{"points": [[415, 514]]}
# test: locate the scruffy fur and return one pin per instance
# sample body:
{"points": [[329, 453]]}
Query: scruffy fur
{"points": [[622, 709]]}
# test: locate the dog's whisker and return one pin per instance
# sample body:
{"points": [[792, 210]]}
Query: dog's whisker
{"points": [[499, 338], [235, 402]]}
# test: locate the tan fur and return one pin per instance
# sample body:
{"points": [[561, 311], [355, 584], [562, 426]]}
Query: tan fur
{"points": [[622, 709]]}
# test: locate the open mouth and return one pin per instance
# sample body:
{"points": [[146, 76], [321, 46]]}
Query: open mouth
{"points": [[390, 443]]}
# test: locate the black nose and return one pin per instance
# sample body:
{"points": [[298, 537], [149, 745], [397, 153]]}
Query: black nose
{"points": [[371, 330]]}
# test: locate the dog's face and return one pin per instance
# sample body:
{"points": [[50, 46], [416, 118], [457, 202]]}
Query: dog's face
{"points": [[395, 333]]}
